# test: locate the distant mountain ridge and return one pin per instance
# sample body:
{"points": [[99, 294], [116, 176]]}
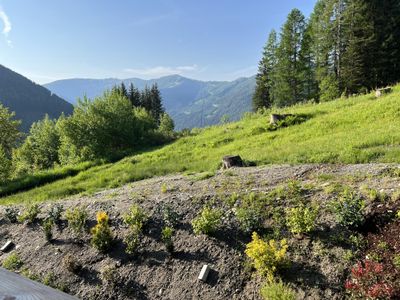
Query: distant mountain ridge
{"points": [[30, 101], [191, 103]]}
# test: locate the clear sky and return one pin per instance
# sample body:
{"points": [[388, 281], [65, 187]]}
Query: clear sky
{"points": [[47, 40]]}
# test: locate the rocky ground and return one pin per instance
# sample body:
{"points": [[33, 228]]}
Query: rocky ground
{"points": [[320, 262]]}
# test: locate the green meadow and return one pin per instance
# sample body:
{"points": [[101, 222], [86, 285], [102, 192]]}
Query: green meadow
{"points": [[359, 129]]}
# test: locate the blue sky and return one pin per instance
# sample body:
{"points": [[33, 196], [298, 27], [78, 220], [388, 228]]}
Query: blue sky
{"points": [[47, 40]]}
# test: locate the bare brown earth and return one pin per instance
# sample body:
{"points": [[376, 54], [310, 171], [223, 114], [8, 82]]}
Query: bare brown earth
{"points": [[320, 262]]}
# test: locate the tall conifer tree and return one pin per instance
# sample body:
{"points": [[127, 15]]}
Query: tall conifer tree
{"points": [[265, 77], [289, 77]]}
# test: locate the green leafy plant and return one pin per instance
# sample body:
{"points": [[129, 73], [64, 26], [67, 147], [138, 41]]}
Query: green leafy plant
{"points": [[208, 221], [76, 218], [166, 236], [277, 290], [249, 218], [55, 213], [266, 257], [30, 214], [396, 261], [47, 226], [136, 217], [132, 241], [12, 262], [11, 214], [101, 234], [170, 216], [301, 219], [135, 220], [348, 209]]}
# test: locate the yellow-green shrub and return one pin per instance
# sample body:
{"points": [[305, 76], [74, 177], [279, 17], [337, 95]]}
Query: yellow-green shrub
{"points": [[12, 262], [301, 219], [277, 290], [76, 219], [136, 217], [266, 257], [208, 221], [30, 214], [101, 233]]}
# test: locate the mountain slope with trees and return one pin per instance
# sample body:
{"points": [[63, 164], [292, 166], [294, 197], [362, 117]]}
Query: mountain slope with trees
{"points": [[191, 103], [29, 101], [345, 47]]}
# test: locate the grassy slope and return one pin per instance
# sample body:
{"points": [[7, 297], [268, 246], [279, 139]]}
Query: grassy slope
{"points": [[356, 130]]}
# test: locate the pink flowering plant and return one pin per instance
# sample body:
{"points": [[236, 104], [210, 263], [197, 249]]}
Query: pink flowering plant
{"points": [[368, 281]]}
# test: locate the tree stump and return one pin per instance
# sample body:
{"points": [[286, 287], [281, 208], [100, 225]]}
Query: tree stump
{"points": [[383, 91], [275, 118], [232, 161]]}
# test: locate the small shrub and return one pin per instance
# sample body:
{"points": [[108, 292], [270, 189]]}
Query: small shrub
{"points": [[76, 218], [30, 214], [170, 216], [266, 257], [349, 209], [164, 188], [301, 219], [47, 226], [101, 233], [277, 290], [375, 195], [136, 217], [208, 221], [368, 281], [396, 261], [12, 262], [11, 214], [50, 280], [132, 241], [109, 276], [56, 212], [231, 200], [166, 236], [249, 218], [71, 264], [398, 214], [29, 274]]}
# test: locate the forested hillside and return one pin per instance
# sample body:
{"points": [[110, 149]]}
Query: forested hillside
{"points": [[191, 103], [30, 102], [345, 47]]}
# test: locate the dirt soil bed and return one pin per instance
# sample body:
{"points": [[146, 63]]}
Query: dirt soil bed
{"points": [[319, 262]]}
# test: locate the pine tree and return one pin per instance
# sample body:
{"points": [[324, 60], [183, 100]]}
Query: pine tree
{"points": [[156, 103], [327, 46], [386, 18], [264, 79], [123, 90], [145, 99], [308, 66], [289, 75], [134, 95], [357, 70]]}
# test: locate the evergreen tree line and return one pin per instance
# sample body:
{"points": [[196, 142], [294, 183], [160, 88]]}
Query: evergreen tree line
{"points": [[149, 99], [345, 47], [106, 128]]}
